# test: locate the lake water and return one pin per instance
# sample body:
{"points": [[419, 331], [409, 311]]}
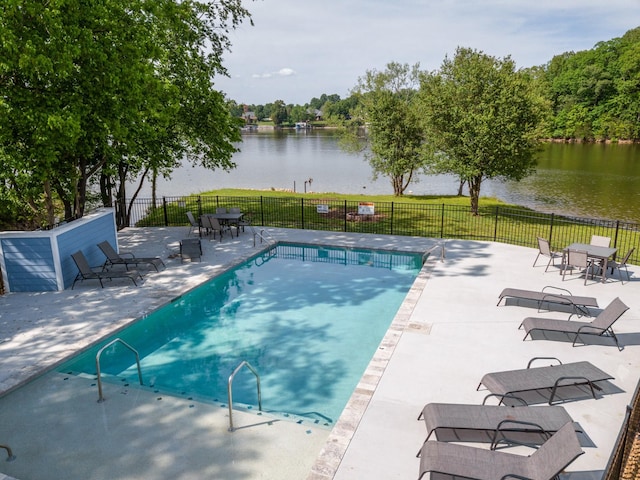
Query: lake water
{"points": [[599, 181]]}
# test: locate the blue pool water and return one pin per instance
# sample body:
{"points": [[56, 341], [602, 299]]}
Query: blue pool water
{"points": [[307, 318]]}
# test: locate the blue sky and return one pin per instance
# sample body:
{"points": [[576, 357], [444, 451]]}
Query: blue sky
{"points": [[300, 49]]}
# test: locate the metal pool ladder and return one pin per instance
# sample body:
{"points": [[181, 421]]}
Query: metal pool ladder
{"points": [[264, 236], [244, 363], [439, 245], [117, 340]]}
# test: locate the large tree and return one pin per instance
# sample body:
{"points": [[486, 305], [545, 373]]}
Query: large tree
{"points": [[394, 138], [482, 116], [111, 90]]}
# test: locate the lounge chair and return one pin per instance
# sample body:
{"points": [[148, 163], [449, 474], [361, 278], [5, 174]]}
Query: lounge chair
{"points": [[85, 272], [190, 248], [530, 379], [552, 295], [600, 325], [544, 249], [113, 258], [462, 461], [456, 422]]}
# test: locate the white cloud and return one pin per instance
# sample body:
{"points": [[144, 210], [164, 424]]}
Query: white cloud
{"points": [[283, 72]]}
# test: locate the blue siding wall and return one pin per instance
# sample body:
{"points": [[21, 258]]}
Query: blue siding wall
{"points": [[29, 264], [85, 237]]}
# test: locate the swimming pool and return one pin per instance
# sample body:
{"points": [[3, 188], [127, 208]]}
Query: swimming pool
{"points": [[307, 318]]}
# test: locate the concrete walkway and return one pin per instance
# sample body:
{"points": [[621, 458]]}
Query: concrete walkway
{"points": [[445, 337]]}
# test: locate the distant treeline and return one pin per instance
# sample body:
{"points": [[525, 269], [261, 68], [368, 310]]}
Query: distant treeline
{"points": [[593, 95]]}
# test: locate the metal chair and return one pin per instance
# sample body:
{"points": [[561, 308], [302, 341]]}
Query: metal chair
{"points": [[600, 241], [544, 249], [193, 225], [613, 265], [578, 259], [211, 225]]}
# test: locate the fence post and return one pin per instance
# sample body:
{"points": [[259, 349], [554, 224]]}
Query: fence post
{"points": [[615, 238], [261, 211], [551, 229], [164, 208], [199, 202], [442, 222], [392, 203], [302, 211], [345, 215], [495, 226]]}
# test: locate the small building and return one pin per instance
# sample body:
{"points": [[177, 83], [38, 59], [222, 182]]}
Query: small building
{"points": [[40, 260]]}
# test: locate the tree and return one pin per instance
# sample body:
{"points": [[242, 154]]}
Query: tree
{"points": [[110, 90], [393, 133], [279, 114], [482, 117]]}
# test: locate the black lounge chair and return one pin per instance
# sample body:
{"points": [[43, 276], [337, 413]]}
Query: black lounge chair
{"points": [[517, 382], [113, 258], [190, 248], [463, 461], [551, 296], [85, 272], [600, 325], [456, 422]]}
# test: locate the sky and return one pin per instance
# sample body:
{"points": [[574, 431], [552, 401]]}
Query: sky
{"points": [[300, 49]]}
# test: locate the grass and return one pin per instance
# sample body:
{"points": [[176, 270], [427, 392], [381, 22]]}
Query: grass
{"points": [[411, 199]]}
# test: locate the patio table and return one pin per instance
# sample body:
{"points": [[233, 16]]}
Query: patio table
{"points": [[595, 252]]}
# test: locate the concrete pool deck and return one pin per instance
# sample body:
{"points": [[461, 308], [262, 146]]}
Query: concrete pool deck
{"points": [[448, 333]]}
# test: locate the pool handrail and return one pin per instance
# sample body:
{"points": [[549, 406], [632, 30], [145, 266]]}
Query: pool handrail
{"points": [[244, 363], [116, 340]]}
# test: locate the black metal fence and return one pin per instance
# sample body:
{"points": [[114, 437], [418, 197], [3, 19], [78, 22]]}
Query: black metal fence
{"points": [[513, 225]]}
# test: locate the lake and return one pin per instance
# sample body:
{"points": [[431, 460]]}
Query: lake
{"points": [[588, 180]]}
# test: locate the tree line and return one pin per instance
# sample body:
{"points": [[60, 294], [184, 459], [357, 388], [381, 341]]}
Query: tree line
{"points": [[593, 95]]}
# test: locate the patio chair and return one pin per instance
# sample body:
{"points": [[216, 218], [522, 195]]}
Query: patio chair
{"points": [[551, 295], [193, 225], [544, 249], [554, 377], [600, 241], [456, 422], [613, 265], [243, 222], [463, 461], [85, 272], [190, 248], [580, 260], [211, 225], [115, 258], [221, 209], [600, 325]]}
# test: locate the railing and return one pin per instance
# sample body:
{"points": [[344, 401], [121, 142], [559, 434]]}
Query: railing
{"points": [[244, 363], [10, 456], [439, 245], [135, 352], [514, 225]]}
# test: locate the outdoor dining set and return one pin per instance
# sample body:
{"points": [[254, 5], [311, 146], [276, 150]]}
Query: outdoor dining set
{"points": [[595, 258], [221, 221]]}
